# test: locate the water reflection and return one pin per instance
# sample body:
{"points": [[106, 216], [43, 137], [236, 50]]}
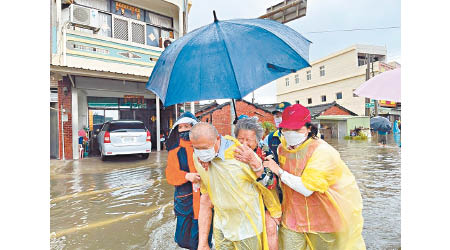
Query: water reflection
{"points": [[126, 203]]}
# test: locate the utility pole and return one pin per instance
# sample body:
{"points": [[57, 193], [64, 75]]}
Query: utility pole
{"points": [[367, 78], [375, 101]]}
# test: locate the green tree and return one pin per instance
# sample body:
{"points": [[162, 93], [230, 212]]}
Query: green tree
{"points": [[268, 128]]}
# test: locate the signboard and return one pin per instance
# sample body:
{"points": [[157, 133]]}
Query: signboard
{"points": [[370, 105], [127, 11], [139, 99], [286, 11], [387, 104], [65, 118], [91, 120]]}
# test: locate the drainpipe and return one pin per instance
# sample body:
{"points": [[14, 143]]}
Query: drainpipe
{"points": [[64, 45], [158, 126], [62, 131]]}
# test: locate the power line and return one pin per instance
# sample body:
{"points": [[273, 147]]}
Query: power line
{"points": [[360, 29]]}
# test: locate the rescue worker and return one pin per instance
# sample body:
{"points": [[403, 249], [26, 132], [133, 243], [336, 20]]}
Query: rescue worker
{"points": [[274, 138], [181, 173], [322, 204]]}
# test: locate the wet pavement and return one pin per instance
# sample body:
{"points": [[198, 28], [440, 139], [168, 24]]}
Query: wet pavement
{"points": [[126, 203]]}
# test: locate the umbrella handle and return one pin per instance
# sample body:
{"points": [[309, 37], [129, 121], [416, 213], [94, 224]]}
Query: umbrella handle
{"points": [[235, 113]]}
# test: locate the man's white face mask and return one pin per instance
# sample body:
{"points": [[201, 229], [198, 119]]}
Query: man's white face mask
{"points": [[205, 155], [278, 120], [294, 138]]}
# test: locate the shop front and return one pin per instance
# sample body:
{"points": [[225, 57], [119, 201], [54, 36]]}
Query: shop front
{"points": [[100, 100]]}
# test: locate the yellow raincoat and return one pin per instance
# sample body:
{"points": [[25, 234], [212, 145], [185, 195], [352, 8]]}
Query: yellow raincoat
{"points": [[330, 218], [238, 200]]}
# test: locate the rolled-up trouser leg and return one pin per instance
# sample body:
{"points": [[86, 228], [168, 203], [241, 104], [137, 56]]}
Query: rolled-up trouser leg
{"points": [[288, 239], [247, 244], [291, 240]]}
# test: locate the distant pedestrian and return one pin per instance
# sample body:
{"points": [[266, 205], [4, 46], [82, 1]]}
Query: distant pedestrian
{"points": [[181, 173], [382, 138]]}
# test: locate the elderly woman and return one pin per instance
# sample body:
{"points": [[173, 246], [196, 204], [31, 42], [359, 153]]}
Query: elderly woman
{"points": [[249, 133]]}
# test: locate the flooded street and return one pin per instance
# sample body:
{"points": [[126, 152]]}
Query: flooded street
{"points": [[126, 203]]}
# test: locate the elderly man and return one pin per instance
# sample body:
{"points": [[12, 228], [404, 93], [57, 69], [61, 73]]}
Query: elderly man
{"points": [[231, 186]]}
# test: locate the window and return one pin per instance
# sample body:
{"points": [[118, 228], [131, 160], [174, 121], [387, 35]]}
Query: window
{"points": [[354, 95], [297, 80], [127, 127], [308, 75], [324, 98], [105, 22], [286, 81], [297, 102], [322, 70], [129, 23], [309, 100], [339, 95]]}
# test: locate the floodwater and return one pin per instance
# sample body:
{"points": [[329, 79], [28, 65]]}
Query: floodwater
{"points": [[126, 203]]}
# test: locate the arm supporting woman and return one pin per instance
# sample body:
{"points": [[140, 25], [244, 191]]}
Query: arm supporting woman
{"points": [[294, 182]]}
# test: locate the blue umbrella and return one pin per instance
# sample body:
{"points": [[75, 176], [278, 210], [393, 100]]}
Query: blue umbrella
{"points": [[227, 59], [379, 123]]}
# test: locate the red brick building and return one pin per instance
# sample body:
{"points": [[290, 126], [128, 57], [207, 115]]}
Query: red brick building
{"points": [[220, 115]]}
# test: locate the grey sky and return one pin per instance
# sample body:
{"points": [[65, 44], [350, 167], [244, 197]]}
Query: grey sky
{"points": [[321, 15]]}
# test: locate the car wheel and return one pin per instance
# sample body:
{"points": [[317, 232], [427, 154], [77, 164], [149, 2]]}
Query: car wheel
{"points": [[145, 156]]}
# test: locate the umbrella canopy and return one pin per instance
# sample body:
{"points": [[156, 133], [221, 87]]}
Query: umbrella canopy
{"points": [[385, 86], [227, 59], [379, 123]]}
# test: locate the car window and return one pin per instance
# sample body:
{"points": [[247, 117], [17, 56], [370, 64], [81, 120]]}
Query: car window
{"points": [[127, 127], [105, 127]]}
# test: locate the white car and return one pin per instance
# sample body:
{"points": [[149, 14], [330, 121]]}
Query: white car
{"points": [[122, 137]]}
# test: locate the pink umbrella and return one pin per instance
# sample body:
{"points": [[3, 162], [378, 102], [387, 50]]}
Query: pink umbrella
{"points": [[385, 86]]}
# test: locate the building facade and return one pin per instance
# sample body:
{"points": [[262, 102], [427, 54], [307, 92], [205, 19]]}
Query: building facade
{"points": [[102, 53], [334, 78]]}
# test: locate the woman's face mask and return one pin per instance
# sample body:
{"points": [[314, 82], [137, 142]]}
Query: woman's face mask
{"points": [[294, 138], [205, 155], [184, 135]]}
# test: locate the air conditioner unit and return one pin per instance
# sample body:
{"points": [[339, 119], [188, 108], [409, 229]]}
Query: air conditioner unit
{"points": [[84, 17]]}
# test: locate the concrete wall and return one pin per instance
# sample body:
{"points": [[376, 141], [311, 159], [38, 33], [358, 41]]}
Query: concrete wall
{"points": [[342, 74], [354, 104]]}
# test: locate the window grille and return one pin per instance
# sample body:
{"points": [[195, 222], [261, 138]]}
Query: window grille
{"points": [[120, 29], [308, 75], [137, 33]]}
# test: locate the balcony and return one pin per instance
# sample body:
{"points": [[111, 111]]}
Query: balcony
{"points": [[116, 43]]}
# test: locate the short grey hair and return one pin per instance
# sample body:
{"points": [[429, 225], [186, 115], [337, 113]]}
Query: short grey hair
{"points": [[203, 129], [252, 124]]}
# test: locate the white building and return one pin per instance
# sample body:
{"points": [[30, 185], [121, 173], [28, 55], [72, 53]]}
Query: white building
{"points": [[334, 78], [101, 55]]}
